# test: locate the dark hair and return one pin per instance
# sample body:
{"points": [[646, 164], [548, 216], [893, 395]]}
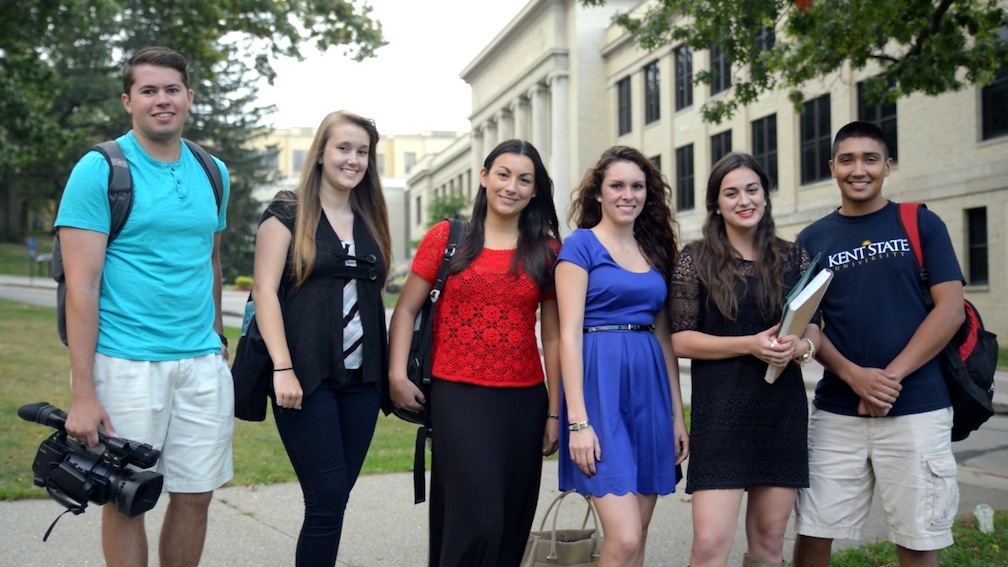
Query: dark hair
{"points": [[654, 229], [158, 57], [860, 129], [715, 259], [366, 200], [538, 225]]}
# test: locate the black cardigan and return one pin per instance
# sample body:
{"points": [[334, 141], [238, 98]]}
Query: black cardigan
{"points": [[313, 312]]}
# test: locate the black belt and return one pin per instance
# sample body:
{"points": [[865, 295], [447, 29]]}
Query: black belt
{"points": [[644, 328]]}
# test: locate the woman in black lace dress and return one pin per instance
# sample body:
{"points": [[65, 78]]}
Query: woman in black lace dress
{"points": [[747, 435]]}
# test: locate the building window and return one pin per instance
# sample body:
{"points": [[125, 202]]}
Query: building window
{"points": [[881, 115], [623, 104], [994, 111], [766, 38], [684, 178], [976, 228], [720, 70], [270, 161], [652, 100], [410, 161], [419, 210], [683, 77], [815, 140], [656, 161], [381, 164], [764, 146], [720, 144], [297, 161]]}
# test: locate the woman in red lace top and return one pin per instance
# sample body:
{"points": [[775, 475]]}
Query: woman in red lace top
{"points": [[488, 403]]}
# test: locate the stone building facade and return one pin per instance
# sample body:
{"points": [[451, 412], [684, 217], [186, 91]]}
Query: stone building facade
{"points": [[563, 77]]}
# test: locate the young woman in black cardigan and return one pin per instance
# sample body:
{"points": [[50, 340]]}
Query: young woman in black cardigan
{"points": [[322, 255]]}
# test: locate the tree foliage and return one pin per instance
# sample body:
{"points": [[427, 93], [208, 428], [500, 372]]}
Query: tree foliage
{"points": [[60, 80], [917, 46], [445, 207]]}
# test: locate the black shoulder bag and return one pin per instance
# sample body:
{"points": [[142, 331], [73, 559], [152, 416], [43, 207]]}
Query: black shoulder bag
{"points": [[418, 365]]}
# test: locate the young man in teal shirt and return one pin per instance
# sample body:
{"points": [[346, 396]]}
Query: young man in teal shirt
{"points": [[147, 357]]}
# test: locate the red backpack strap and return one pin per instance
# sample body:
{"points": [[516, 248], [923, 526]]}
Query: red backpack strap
{"points": [[908, 213]]}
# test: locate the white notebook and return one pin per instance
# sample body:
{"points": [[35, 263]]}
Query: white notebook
{"points": [[799, 310]]}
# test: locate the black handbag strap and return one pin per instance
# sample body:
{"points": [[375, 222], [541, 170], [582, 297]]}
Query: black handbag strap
{"points": [[457, 231]]}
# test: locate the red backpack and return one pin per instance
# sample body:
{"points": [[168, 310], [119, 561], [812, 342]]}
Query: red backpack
{"points": [[969, 361]]}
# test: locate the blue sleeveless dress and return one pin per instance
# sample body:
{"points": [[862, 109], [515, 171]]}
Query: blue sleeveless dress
{"points": [[626, 385]]}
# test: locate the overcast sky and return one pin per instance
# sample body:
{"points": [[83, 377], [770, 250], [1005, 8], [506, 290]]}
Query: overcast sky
{"points": [[412, 84]]}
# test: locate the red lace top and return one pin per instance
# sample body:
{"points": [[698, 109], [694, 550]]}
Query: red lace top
{"points": [[484, 329]]}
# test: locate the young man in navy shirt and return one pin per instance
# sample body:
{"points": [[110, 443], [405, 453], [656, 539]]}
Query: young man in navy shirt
{"points": [[882, 414]]}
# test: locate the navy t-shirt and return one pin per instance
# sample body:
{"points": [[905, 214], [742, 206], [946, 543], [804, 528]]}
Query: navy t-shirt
{"points": [[874, 304]]}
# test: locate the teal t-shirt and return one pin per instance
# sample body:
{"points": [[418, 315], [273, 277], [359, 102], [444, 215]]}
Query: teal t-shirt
{"points": [[156, 300]]}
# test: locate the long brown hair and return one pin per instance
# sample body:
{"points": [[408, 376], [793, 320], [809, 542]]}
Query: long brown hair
{"points": [[715, 259], [538, 225], [654, 229], [366, 200]]}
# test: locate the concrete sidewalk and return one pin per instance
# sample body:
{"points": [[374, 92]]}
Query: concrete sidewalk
{"points": [[258, 526]]}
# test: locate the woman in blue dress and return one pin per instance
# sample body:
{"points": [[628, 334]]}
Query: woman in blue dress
{"points": [[626, 432]]}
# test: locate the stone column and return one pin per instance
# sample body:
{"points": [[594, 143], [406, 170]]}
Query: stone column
{"points": [[520, 111], [539, 132], [504, 125], [490, 139], [559, 151], [476, 156]]}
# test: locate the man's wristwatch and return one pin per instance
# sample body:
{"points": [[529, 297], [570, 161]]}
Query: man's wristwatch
{"points": [[223, 339]]}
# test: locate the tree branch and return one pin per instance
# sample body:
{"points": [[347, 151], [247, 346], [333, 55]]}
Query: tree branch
{"points": [[931, 30]]}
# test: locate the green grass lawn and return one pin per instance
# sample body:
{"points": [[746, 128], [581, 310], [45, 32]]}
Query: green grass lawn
{"points": [[14, 258], [36, 369], [972, 548], [390, 300]]}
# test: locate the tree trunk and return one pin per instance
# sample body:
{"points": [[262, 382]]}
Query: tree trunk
{"points": [[10, 211]]}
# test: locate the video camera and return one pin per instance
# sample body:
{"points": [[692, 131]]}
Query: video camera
{"points": [[74, 474]]}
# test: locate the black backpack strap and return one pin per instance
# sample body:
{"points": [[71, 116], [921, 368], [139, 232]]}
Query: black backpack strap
{"points": [[211, 169], [120, 186], [457, 231]]}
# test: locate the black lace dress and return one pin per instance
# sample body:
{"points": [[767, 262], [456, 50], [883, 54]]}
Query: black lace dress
{"points": [[744, 432]]}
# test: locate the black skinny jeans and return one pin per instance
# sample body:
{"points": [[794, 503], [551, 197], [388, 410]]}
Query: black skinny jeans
{"points": [[327, 440]]}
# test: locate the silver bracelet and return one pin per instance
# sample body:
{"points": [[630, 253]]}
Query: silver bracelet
{"points": [[578, 426]]}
